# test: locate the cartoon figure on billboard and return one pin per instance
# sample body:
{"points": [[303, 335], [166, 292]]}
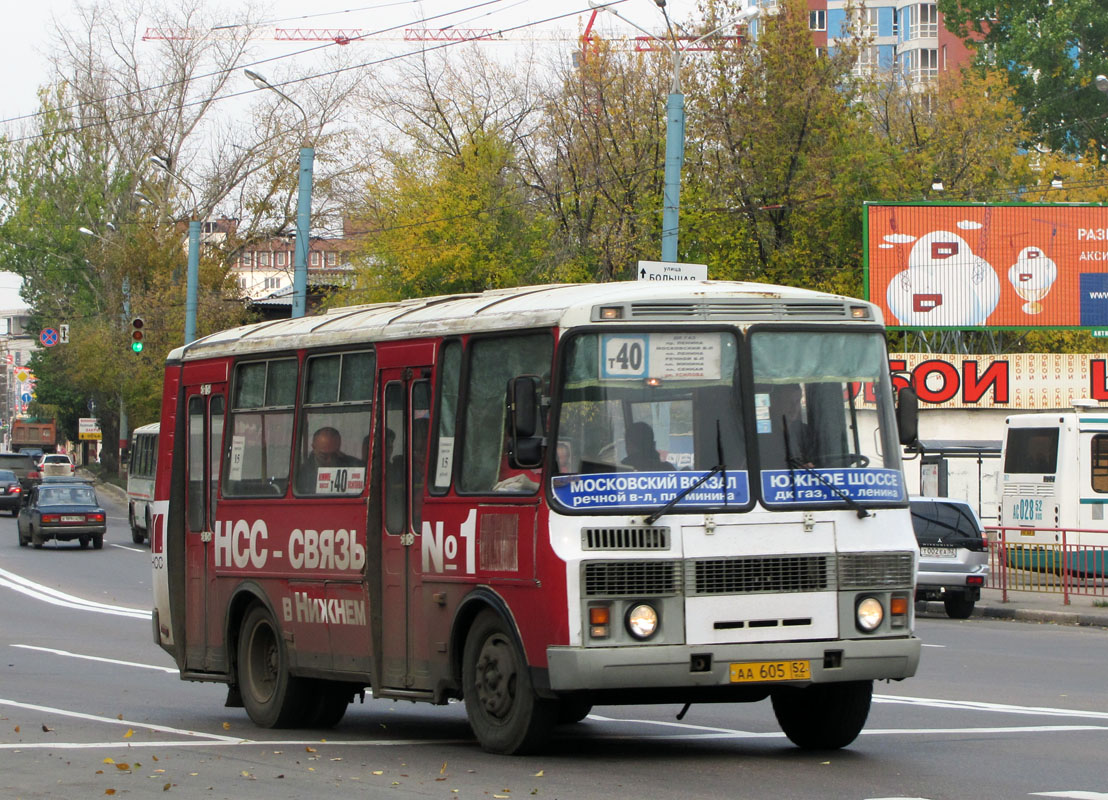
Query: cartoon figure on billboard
{"points": [[1032, 276], [945, 284]]}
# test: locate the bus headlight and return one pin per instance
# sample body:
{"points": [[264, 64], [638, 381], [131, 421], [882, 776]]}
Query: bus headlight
{"points": [[642, 621], [868, 614]]}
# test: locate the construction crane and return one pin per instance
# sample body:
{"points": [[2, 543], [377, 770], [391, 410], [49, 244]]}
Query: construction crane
{"points": [[345, 36]]}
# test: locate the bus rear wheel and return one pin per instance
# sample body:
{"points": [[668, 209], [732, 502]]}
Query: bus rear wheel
{"points": [[823, 716], [327, 704], [504, 712], [272, 697]]}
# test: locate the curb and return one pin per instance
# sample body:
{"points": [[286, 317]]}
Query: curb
{"points": [[1028, 615]]}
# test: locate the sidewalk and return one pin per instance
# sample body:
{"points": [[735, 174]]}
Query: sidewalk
{"points": [[1030, 607]]}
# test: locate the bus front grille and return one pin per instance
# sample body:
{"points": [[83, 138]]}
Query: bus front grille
{"points": [[656, 538], [759, 574], [875, 570], [631, 578]]}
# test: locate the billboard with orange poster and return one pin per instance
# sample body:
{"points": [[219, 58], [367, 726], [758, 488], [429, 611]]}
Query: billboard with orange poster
{"points": [[998, 266]]}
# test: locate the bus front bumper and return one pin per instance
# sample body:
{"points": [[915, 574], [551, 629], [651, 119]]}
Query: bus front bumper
{"points": [[674, 666]]}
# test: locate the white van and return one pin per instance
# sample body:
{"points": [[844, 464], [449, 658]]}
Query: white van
{"points": [[140, 480]]}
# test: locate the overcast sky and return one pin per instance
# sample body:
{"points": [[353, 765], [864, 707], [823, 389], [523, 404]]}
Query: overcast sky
{"points": [[28, 32]]}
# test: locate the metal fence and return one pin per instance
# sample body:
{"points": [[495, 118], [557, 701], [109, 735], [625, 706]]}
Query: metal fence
{"points": [[1066, 567]]}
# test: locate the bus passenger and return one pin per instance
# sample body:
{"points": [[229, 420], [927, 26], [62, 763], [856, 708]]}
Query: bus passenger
{"points": [[326, 452], [641, 453]]}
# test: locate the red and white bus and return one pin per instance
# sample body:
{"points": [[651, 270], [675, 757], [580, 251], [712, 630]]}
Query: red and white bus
{"points": [[539, 499]]}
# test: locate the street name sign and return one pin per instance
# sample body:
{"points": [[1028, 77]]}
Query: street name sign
{"points": [[671, 271]]}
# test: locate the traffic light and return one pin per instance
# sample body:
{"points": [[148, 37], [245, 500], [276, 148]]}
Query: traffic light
{"points": [[136, 334]]}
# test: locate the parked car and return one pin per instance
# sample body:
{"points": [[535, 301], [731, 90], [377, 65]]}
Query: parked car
{"points": [[11, 491], [23, 465], [64, 511], [953, 553], [56, 465]]}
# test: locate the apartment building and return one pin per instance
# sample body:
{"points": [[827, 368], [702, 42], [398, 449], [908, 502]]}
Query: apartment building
{"points": [[906, 35]]}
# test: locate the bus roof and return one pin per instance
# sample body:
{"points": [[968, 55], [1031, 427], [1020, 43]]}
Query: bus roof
{"points": [[534, 307], [152, 427]]}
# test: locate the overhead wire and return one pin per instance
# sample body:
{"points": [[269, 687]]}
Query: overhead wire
{"points": [[259, 62]]}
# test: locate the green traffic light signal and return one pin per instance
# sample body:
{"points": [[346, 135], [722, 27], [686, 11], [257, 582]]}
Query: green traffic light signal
{"points": [[136, 334]]}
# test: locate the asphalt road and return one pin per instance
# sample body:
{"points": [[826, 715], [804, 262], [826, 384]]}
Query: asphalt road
{"points": [[90, 707]]}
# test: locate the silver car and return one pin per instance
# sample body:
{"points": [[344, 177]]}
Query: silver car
{"points": [[953, 553]]}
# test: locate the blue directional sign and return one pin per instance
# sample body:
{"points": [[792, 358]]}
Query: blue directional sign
{"points": [[25, 398], [48, 337]]}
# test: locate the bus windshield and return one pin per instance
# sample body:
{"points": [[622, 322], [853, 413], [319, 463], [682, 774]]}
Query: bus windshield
{"points": [[663, 407], [641, 416], [826, 433]]}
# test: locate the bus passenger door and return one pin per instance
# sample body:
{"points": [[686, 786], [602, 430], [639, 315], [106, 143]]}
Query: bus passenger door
{"points": [[405, 419], [205, 409]]}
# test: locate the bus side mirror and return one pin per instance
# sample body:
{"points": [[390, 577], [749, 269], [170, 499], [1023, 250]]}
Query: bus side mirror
{"points": [[523, 416], [907, 415]]}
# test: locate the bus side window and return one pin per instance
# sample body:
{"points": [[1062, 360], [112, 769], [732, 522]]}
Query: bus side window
{"points": [[420, 427], [197, 511], [258, 445], [334, 425], [1099, 463], [493, 362], [442, 448], [395, 459], [216, 435]]}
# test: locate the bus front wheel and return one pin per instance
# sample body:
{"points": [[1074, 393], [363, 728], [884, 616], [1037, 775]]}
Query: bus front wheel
{"points": [[271, 696], [504, 712], [823, 716]]}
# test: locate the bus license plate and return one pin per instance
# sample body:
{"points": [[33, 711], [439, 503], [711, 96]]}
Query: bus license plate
{"points": [[937, 551], [73, 518], [760, 671]]}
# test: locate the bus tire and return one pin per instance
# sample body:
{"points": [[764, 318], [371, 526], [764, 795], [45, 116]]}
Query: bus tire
{"points": [[327, 703], [823, 716], [136, 533], [272, 697], [958, 605], [506, 715]]}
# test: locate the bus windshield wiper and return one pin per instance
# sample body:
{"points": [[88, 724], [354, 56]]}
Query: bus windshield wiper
{"points": [[721, 467], [795, 464]]}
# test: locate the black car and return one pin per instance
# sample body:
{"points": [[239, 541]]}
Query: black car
{"points": [[11, 491], [24, 467], [62, 511], [953, 553]]}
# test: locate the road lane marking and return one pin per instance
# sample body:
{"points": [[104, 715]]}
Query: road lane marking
{"points": [[1073, 794], [169, 743], [170, 670], [214, 737], [54, 597], [1000, 708], [128, 549]]}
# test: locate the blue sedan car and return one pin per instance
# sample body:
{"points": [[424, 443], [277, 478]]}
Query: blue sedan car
{"points": [[64, 512]]}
